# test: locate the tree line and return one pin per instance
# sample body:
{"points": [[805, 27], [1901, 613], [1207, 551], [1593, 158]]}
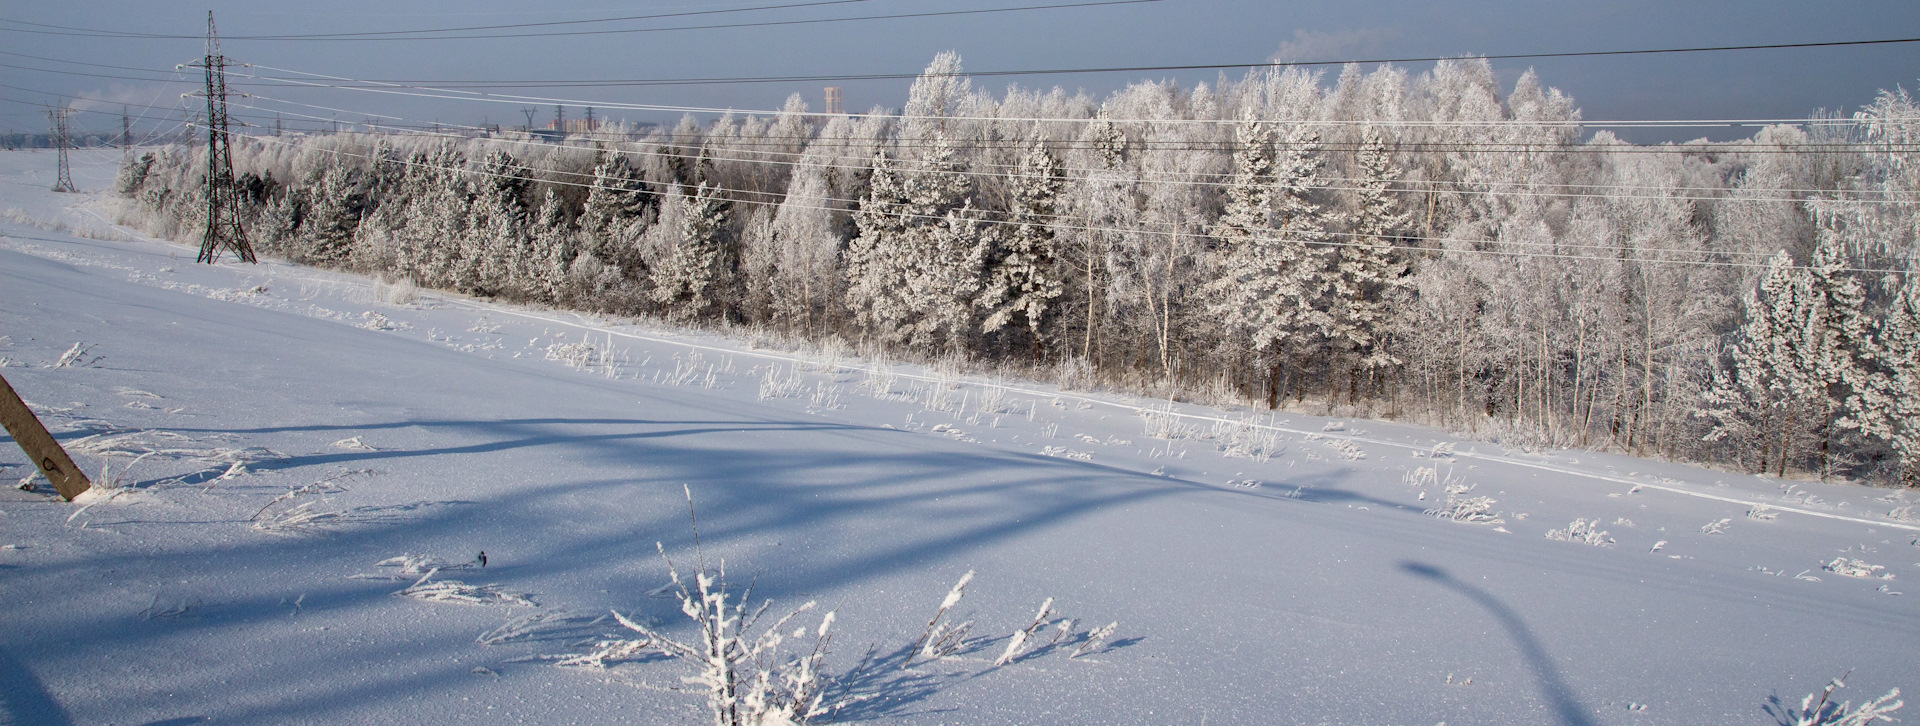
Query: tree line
{"points": [[1423, 248]]}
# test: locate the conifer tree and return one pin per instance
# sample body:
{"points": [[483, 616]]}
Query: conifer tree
{"points": [[688, 281], [1023, 282], [552, 251], [1270, 285], [616, 206], [1369, 275]]}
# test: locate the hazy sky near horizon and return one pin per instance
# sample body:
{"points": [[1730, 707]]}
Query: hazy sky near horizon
{"points": [[1782, 83]]}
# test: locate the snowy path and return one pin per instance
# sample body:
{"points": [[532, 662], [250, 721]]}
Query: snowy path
{"points": [[1297, 582]]}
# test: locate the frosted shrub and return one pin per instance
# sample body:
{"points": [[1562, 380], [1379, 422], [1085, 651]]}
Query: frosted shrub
{"points": [[749, 681], [993, 399], [1016, 645], [775, 385], [1583, 531], [1247, 440], [826, 397], [456, 591], [1421, 477], [1824, 712], [1461, 508], [581, 355], [880, 379], [1167, 426], [1856, 568], [396, 293], [76, 357], [932, 637], [1074, 374]]}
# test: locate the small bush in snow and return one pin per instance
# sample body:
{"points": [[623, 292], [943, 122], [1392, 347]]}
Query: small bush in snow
{"points": [[1420, 477], [1016, 645], [582, 355], [1825, 712], [1583, 531], [1856, 568], [935, 629], [76, 357], [748, 680], [456, 591], [775, 385], [1763, 513], [1247, 439], [398, 293], [826, 397], [1166, 426], [1718, 526], [1461, 508]]}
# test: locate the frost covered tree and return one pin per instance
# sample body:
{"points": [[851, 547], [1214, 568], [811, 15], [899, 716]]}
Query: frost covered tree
{"points": [[551, 251], [615, 213], [494, 252], [1795, 361], [1886, 400], [1368, 276], [1023, 283], [1270, 285], [915, 269], [687, 281], [333, 204], [806, 250]]}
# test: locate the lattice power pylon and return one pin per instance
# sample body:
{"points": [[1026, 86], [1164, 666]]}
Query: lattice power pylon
{"points": [[223, 195], [57, 118]]}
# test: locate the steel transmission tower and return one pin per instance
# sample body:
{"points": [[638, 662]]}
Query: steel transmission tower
{"points": [[57, 118], [223, 195]]}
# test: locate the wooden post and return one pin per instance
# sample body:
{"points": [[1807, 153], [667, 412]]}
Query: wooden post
{"points": [[26, 430]]}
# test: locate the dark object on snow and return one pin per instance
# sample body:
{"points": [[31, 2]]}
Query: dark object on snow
{"points": [[26, 430], [482, 558], [26, 486]]}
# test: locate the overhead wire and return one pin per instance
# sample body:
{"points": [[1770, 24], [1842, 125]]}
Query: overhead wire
{"points": [[1414, 147], [1223, 179], [83, 32]]}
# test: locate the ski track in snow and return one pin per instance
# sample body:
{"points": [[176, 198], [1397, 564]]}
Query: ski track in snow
{"points": [[295, 453]]}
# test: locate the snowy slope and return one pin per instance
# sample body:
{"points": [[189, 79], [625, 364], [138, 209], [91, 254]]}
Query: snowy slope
{"points": [[1283, 571]]}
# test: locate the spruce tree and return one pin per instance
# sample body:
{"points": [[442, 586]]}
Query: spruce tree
{"points": [[1023, 282]]}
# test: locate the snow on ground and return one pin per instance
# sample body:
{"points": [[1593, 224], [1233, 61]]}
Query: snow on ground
{"points": [[281, 434]]}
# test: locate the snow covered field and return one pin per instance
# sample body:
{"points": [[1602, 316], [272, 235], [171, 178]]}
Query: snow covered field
{"points": [[279, 433]]}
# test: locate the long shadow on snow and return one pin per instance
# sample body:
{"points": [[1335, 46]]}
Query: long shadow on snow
{"points": [[621, 547], [1566, 705], [24, 698]]}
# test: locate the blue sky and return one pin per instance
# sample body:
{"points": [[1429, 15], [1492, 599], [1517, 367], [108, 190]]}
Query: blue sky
{"points": [[1753, 84]]}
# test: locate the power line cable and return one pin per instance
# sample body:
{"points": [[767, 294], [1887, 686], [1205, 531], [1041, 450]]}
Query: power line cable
{"points": [[457, 94], [716, 26], [722, 80], [795, 159]]}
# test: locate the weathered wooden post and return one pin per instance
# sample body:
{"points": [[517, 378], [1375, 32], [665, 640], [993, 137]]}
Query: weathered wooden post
{"points": [[27, 431]]}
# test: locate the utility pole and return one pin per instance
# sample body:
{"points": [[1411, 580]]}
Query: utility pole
{"points": [[276, 125], [57, 118], [560, 119], [126, 137], [223, 196], [528, 111]]}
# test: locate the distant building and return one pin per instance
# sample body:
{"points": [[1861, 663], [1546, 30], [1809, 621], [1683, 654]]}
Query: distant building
{"points": [[578, 125], [834, 102]]}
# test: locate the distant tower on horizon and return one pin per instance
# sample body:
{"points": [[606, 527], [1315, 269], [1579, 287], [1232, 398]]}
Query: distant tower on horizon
{"points": [[834, 103]]}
